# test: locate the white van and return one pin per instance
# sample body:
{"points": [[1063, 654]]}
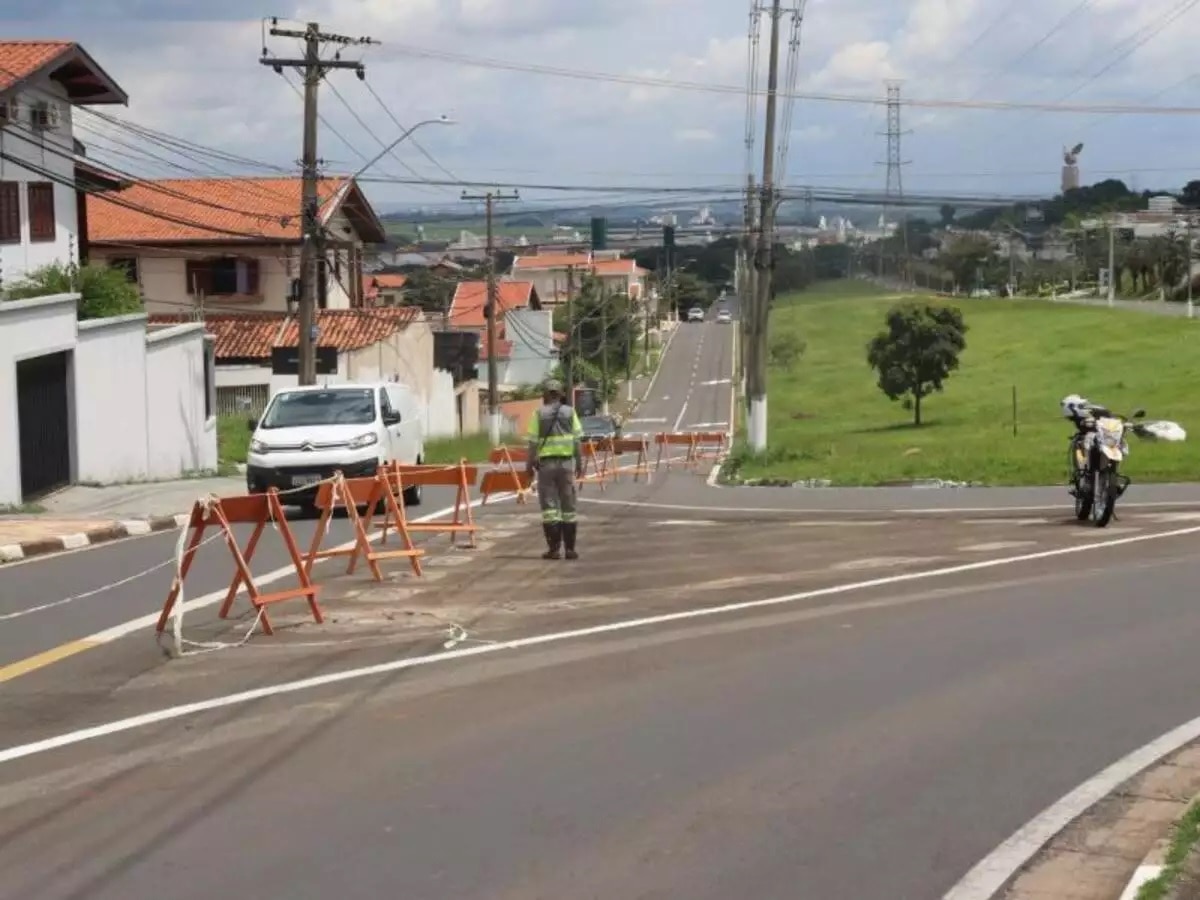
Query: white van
{"points": [[307, 433]]}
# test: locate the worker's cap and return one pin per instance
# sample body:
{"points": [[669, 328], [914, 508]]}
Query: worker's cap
{"points": [[553, 386]]}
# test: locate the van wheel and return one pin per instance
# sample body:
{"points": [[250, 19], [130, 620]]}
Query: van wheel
{"points": [[412, 495]]}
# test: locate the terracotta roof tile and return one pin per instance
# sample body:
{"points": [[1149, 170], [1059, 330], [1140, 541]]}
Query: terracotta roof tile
{"points": [[551, 261], [252, 335], [470, 297], [22, 59], [203, 209]]}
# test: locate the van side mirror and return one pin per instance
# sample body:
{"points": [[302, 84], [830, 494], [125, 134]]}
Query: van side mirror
{"points": [[391, 418], [253, 423]]}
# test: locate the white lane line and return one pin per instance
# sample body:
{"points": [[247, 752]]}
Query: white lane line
{"points": [[992, 872], [933, 510], [714, 383], [291, 687], [682, 413], [150, 619]]}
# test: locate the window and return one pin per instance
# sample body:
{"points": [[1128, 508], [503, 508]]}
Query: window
{"points": [[41, 211], [210, 383], [339, 406], [127, 264], [10, 212], [222, 276]]}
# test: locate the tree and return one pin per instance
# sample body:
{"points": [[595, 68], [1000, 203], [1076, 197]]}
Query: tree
{"points": [[785, 350], [965, 256], [428, 290], [601, 331], [948, 213], [1190, 196], [917, 351], [103, 291]]}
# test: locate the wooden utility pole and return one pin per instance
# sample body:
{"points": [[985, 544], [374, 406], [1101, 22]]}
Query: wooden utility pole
{"points": [[312, 249], [489, 311], [604, 347], [746, 289], [756, 387], [569, 346]]}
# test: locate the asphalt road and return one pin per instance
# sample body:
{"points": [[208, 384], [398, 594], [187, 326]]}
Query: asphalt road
{"points": [[874, 745]]}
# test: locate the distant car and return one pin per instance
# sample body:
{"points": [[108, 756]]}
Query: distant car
{"points": [[695, 314], [597, 428], [724, 317]]}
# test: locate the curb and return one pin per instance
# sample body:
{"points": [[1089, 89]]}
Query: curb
{"points": [[1149, 869], [102, 535]]}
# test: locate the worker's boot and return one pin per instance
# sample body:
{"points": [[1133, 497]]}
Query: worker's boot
{"points": [[553, 533], [569, 539]]}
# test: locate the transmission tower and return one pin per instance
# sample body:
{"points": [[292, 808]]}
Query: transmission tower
{"points": [[894, 191]]}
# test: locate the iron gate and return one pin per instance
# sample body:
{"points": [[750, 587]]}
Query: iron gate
{"points": [[44, 424]]}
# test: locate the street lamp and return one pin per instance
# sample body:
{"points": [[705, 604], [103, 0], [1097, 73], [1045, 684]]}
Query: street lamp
{"points": [[440, 120]]}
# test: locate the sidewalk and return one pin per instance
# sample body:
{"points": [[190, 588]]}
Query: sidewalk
{"points": [[80, 516]]}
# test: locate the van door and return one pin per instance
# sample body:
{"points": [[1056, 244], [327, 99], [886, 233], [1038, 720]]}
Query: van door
{"points": [[392, 449]]}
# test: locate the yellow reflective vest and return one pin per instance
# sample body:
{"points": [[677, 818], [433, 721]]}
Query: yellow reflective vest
{"points": [[554, 432]]}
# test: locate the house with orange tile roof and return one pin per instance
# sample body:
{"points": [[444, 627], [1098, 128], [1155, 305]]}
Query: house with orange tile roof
{"points": [[384, 289], [391, 343], [553, 273], [524, 331], [44, 85], [230, 244]]}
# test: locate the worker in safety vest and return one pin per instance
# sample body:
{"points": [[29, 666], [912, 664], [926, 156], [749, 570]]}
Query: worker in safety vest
{"points": [[556, 457]]}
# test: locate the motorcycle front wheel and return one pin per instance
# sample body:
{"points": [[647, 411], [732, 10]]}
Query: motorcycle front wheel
{"points": [[1104, 500]]}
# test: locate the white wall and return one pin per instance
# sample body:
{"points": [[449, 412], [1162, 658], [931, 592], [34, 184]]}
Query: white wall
{"points": [[28, 328], [441, 412], [137, 400], [48, 151], [532, 334], [110, 362]]}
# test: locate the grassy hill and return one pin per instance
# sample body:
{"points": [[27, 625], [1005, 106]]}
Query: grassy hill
{"points": [[828, 418]]}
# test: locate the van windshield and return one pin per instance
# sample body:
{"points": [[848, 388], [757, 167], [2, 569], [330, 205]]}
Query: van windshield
{"points": [[345, 406]]}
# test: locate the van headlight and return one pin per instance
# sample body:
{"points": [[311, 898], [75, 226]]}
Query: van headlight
{"points": [[363, 440], [257, 446]]}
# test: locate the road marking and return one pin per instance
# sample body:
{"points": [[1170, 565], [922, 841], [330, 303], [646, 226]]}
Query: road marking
{"points": [[631, 421], [716, 382], [935, 510], [708, 424], [48, 657], [994, 546], [108, 635], [992, 872], [687, 522], [291, 687], [1141, 876], [682, 413]]}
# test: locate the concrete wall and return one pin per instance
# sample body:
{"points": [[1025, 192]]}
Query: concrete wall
{"points": [[110, 362], [441, 413], [183, 436], [44, 150], [532, 335], [406, 356], [137, 401]]}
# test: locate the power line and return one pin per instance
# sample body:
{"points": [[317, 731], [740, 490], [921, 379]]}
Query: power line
{"points": [[412, 140], [820, 97]]}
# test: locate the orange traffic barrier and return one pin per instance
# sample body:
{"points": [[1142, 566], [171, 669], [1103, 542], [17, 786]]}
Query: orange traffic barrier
{"points": [[676, 439], [596, 456], [223, 513], [349, 494], [640, 446], [507, 477], [710, 445], [461, 477]]}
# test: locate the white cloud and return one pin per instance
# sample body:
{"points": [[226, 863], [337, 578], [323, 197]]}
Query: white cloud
{"points": [[202, 80]]}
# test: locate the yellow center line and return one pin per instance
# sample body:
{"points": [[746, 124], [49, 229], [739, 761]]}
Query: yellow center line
{"points": [[46, 658]]}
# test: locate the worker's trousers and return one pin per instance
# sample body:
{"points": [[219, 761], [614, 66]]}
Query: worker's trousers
{"points": [[556, 490]]}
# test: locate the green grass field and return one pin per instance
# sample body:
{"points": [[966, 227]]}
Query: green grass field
{"points": [[829, 420]]}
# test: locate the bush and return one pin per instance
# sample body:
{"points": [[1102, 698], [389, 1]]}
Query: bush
{"points": [[103, 291]]}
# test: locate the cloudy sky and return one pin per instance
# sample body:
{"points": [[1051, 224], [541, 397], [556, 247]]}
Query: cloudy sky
{"points": [[191, 69]]}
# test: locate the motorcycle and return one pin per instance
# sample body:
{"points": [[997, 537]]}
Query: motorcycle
{"points": [[1097, 454]]}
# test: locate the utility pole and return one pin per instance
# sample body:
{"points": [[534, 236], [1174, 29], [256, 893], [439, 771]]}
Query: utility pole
{"points": [[312, 249], [568, 368], [756, 388], [1188, 266], [489, 311], [604, 348], [746, 288], [1112, 260], [895, 181]]}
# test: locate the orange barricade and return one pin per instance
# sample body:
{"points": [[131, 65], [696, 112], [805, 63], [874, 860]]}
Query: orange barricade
{"points": [[349, 494], [223, 513], [673, 439], [627, 445], [710, 445], [462, 477], [509, 477], [596, 456]]}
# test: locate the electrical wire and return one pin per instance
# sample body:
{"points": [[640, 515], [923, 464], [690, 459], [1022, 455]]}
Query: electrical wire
{"points": [[820, 97], [412, 140]]}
